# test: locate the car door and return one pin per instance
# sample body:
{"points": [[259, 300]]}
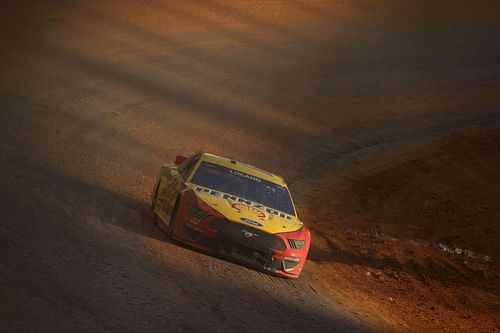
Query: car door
{"points": [[170, 186]]}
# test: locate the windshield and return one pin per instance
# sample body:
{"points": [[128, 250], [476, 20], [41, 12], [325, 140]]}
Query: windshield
{"points": [[244, 186]]}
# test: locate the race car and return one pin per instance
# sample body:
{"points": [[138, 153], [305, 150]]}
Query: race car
{"points": [[232, 210]]}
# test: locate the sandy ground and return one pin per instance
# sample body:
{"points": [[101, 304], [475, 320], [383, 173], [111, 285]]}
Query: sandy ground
{"points": [[95, 96]]}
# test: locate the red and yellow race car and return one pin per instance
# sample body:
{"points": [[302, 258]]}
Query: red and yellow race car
{"points": [[231, 209]]}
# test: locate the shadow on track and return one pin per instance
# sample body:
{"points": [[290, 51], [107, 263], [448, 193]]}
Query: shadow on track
{"points": [[86, 255]]}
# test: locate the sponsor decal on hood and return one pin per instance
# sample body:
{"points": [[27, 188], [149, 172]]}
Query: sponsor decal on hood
{"points": [[247, 212], [252, 222], [239, 207]]}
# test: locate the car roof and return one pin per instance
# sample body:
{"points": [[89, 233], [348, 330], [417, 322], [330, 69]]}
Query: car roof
{"points": [[242, 167]]}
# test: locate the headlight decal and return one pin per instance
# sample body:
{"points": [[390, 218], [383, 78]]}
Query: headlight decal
{"points": [[296, 243]]}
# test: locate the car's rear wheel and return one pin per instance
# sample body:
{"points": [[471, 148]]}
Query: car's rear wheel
{"points": [[172, 225], [155, 197]]}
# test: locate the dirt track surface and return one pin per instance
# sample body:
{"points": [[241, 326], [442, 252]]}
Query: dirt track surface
{"points": [[95, 96], [393, 210]]}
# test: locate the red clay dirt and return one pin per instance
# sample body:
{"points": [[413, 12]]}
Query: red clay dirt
{"points": [[96, 95], [378, 221]]}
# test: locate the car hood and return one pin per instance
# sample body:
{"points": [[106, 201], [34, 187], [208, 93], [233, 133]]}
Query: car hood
{"points": [[246, 212]]}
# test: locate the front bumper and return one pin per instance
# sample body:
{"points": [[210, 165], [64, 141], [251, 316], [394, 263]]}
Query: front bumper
{"points": [[273, 253], [255, 248], [257, 259], [245, 245]]}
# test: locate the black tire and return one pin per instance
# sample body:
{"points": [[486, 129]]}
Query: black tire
{"points": [[155, 196], [171, 227]]}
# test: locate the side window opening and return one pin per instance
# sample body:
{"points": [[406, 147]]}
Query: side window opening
{"points": [[188, 165]]}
